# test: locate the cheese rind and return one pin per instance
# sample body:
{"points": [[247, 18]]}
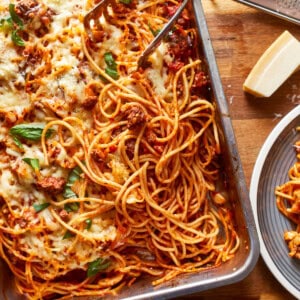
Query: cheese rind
{"points": [[274, 67]]}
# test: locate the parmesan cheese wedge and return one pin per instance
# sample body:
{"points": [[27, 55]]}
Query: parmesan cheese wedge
{"points": [[275, 66]]}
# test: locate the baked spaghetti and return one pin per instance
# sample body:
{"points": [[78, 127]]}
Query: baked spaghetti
{"points": [[107, 172]]}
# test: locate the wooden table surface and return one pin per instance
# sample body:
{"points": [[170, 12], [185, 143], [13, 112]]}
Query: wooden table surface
{"points": [[240, 35]]}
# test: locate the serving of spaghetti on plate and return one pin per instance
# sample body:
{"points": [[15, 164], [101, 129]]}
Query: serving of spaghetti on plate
{"points": [[271, 171], [108, 173]]}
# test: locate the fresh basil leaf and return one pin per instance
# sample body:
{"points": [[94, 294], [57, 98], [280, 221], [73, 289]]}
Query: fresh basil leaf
{"points": [[68, 235], [97, 266], [109, 60], [15, 24], [112, 73], [16, 19], [29, 131], [40, 207], [88, 223], [18, 142], [68, 193], [111, 69], [126, 1], [69, 207], [17, 40], [10, 22], [33, 162], [73, 176]]}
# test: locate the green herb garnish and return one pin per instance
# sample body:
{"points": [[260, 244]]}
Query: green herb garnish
{"points": [[154, 32], [15, 18], [111, 69], [29, 131], [68, 235], [33, 162], [125, 1], [40, 207], [110, 60], [112, 73], [17, 40], [18, 142], [97, 266], [15, 24], [88, 223], [69, 207], [74, 176]]}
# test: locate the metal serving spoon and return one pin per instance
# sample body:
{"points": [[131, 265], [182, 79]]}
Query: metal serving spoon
{"points": [[155, 42], [96, 11], [99, 8]]}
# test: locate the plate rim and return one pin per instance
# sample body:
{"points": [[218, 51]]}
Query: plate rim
{"points": [[272, 137]]}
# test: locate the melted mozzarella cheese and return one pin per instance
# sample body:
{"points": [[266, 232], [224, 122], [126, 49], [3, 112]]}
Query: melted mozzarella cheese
{"points": [[157, 74], [8, 188], [34, 151], [9, 75], [62, 84], [20, 194]]}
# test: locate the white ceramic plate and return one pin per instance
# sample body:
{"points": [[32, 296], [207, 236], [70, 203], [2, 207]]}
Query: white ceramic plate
{"points": [[274, 160]]}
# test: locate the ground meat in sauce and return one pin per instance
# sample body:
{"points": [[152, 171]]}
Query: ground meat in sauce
{"points": [[26, 9], [135, 116], [169, 10], [89, 102], [293, 240], [64, 214], [200, 83], [2, 145], [29, 10], [175, 66], [22, 223], [180, 45], [150, 136], [91, 97], [159, 148], [98, 155], [130, 145], [123, 9], [33, 55], [184, 20], [51, 185]]}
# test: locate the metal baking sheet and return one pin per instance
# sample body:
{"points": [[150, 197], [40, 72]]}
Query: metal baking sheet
{"points": [[285, 9], [245, 259]]}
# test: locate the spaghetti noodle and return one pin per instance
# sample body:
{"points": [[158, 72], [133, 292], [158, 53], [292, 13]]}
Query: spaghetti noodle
{"points": [[107, 172], [287, 200]]}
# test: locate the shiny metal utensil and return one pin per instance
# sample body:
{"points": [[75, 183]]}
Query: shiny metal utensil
{"points": [[285, 9], [155, 42], [102, 5], [94, 12]]}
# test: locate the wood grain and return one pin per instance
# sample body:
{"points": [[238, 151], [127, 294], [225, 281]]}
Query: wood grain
{"points": [[240, 35]]}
